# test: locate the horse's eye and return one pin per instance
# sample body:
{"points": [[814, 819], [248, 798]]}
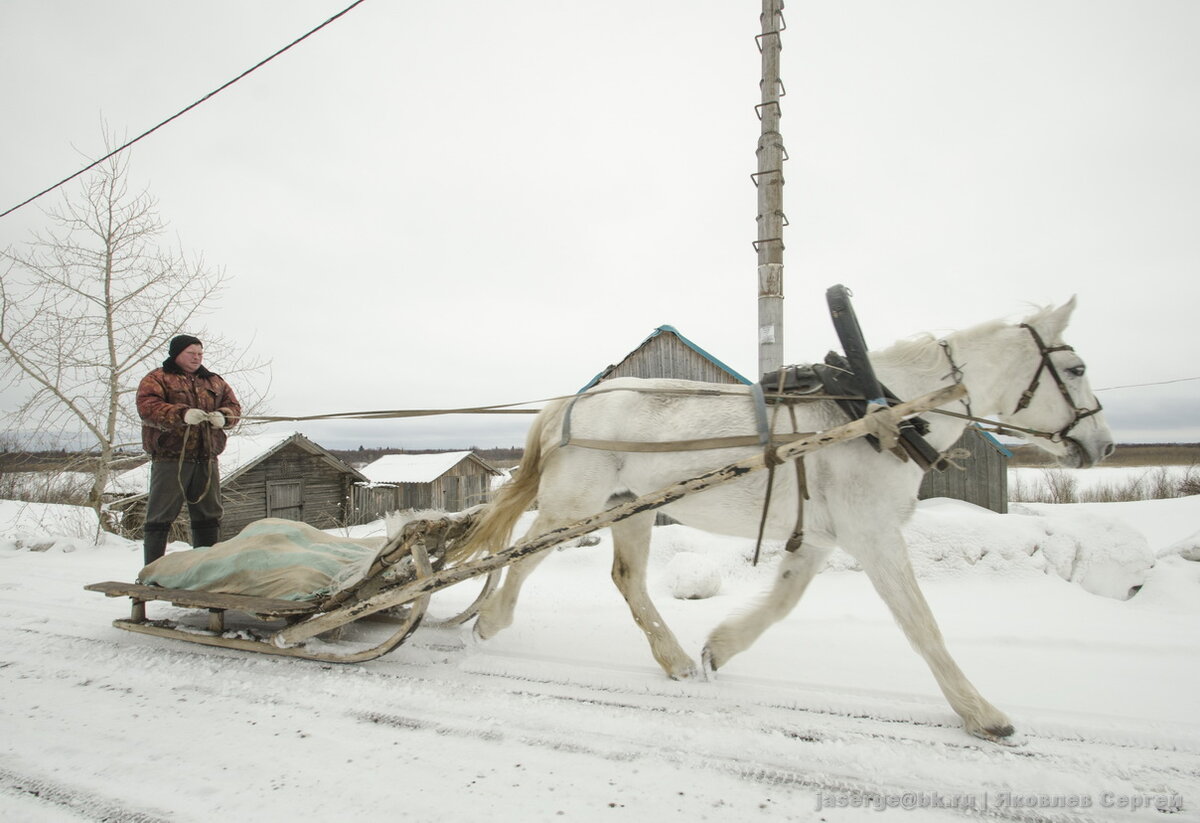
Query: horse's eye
{"points": [[1077, 371]]}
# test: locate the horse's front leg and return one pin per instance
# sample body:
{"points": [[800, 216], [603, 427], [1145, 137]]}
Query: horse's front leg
{"points": [[736, 634], [631, 549], [886, 563]]}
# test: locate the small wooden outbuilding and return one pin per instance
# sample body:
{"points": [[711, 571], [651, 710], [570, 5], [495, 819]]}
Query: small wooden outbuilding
{"points": [[264, 475], [667, 353], [447, 481], [983, 479]]}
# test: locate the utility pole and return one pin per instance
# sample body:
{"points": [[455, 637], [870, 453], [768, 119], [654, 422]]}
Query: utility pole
{"points": [[769, 180]]}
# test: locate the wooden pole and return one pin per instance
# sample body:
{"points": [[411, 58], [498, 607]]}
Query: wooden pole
{"points": [[769, 179]]}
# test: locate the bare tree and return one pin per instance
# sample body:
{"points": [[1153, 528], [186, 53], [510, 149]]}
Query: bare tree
{"points": [[86, 308]]}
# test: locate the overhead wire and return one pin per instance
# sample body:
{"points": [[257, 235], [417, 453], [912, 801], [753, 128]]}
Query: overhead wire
{"points": [[183, 111], [1145, 385]]}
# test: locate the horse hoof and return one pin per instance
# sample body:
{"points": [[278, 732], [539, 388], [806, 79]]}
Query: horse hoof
{"points": [[683, 669], [469, 637], [997, 734]]}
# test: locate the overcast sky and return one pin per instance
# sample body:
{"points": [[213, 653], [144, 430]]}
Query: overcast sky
{"points": [[480, 202]]}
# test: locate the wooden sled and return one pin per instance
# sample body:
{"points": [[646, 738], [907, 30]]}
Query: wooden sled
{"points": [[412, 555], [409, 569]]}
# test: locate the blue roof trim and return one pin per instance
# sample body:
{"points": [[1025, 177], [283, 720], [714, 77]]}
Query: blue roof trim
{"points": [[685, 341], [700, 352], [991, 439]]}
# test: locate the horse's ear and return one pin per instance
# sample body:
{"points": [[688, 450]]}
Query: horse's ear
{"points": [[1053, 322]]}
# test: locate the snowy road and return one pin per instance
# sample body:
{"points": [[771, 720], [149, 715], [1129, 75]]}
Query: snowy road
{"points": [[829, 717]]}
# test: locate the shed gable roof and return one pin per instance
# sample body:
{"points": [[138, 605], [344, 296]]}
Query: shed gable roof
{"points": [[672, 331], [252, 449]]}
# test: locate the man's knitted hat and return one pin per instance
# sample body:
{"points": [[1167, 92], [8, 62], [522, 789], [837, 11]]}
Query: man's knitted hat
{"points": [[180, 343]]}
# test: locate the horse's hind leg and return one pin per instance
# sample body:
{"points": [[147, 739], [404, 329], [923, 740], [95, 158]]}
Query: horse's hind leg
{"points": [[496, 613], [737, 633], [631, 549], [892, 576]]}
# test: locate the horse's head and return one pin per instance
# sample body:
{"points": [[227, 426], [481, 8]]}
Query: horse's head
{"points": [[1058, 406]]}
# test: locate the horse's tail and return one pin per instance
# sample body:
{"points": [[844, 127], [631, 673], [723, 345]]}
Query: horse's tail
{"points": [[493, 529]]}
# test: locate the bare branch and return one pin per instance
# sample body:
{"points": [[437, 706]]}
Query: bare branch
{"points": [[86, 308]]}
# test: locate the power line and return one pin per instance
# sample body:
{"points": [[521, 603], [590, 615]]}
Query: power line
{"points": [[1144, 385], [184, 111]]}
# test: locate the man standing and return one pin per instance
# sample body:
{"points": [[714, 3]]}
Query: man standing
{"points": [[185, 410]]}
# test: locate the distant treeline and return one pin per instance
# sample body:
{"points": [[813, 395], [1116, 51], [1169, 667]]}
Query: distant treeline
{"points": [[1127, 454]]}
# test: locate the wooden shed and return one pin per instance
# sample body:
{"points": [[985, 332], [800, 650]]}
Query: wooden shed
{"points": [[983, 480], [266, 475], [667, 353], [447, 481]]}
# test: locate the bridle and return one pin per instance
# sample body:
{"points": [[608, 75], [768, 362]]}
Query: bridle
{"points": [[1080, 414], [1046, 364]]}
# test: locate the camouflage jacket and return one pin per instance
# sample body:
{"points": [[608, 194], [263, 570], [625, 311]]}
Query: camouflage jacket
{"points": [[162, 398]]}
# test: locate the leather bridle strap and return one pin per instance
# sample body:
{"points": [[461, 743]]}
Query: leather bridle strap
{"points": [[1047, 364]]}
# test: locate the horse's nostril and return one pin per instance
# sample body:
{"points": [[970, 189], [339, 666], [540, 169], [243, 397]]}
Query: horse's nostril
{"points": [[1109, 449]]}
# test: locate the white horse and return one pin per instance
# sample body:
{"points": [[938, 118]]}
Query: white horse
{"points": [[1020, 374]]}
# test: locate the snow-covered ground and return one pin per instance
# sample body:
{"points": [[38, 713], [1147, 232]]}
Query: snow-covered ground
{"points": [[566, 717]]}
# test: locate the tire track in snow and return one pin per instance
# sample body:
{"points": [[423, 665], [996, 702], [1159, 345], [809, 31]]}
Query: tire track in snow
{"points": [[85, 804]]}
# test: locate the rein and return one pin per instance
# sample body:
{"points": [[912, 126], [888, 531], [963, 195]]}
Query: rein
{"points": [[207, 435]]}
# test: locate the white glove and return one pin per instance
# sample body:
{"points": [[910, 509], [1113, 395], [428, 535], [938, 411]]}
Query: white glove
{"points": [[194, 417], [216, 419]]}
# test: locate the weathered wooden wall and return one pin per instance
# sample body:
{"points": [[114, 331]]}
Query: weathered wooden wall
{"points": [[665, 355], [323, 492], [984, 481]]}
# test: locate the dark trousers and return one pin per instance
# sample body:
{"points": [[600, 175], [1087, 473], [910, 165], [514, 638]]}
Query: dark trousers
{"points": [[196, 484]]}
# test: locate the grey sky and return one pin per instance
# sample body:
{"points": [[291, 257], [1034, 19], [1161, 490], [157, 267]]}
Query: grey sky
{"points": [[456, 204]]}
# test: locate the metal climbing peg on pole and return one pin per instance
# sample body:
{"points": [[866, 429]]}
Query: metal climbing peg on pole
{"points": [[769, 181]]}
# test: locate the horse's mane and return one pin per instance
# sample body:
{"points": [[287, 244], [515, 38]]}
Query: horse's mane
{"points": [[919, 352], [923, 352]]}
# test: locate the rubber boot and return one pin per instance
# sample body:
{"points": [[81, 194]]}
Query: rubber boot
{"points": [[205, 532], [154, 541]]}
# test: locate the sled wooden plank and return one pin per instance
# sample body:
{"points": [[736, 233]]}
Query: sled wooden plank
{"points": [[206, 600]]}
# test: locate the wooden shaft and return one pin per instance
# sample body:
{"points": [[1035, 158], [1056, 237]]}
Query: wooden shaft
{"points": [[447, 577]]}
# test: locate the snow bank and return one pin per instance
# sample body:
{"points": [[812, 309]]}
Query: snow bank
{"points": [[1188, 548], [692, 576], [43, 526], [1103, 555]]}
